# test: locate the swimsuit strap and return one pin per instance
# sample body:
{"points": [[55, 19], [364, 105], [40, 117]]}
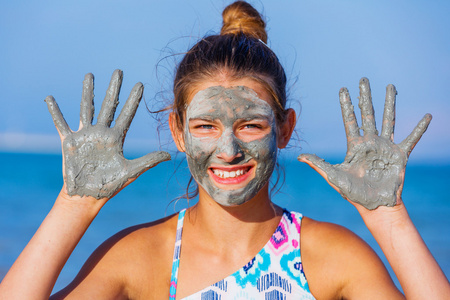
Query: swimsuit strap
{"points": [[176, 256]]}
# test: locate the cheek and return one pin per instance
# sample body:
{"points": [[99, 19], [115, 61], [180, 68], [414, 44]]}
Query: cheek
{"points": [[198, 154], [263, 149], [199, 148]]}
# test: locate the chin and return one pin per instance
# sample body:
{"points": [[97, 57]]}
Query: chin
{"points": [[230, 198]]}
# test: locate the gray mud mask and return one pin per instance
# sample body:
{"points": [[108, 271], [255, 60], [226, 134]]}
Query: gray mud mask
{"points": [[219, 123]]}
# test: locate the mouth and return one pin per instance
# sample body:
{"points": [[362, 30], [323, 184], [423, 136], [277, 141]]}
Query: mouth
{"points": [[230, 176]]}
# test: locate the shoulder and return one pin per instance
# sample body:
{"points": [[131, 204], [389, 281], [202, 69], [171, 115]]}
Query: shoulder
{"points": [[135, 260], [316, 234], [144, 255], [339, 264], [145, 238]]}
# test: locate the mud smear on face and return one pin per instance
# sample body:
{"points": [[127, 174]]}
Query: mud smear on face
{"points": [[230, 106]]}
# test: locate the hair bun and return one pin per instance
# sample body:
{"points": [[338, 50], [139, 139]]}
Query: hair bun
{"points": [[242, 17]]}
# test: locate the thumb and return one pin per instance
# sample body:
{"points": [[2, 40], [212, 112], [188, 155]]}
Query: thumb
{"points": [[325, 169], [139, 165]]}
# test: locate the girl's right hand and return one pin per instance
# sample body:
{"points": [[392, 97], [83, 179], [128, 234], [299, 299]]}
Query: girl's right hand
{"points": [[93, 161]]}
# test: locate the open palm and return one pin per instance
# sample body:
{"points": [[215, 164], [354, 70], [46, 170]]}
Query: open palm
{"points": [[372, 173], [93, 161]]}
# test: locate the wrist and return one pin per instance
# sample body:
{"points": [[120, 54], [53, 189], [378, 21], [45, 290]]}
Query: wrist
{"points": [[385, 217], [79, 205]]}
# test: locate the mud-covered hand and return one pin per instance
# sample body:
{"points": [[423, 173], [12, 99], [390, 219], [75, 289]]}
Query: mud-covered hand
{"points": [[93, 161], [372, 173]]}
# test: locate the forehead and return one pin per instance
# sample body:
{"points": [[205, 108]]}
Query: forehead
{"points": [[227, 82], [235, 101]]}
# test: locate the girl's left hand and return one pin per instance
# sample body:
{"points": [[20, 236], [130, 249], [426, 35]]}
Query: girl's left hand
{"points": [[373, 170]]}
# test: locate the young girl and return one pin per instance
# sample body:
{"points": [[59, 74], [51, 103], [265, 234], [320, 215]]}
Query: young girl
{"points": [[230, 118]]}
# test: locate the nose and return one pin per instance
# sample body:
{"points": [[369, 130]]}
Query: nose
{"points": [[228, 148]]}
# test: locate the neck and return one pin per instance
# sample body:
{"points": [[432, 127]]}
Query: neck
{"points": [[255, 221]]}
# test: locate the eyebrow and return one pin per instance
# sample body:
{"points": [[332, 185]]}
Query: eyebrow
{"points": [[203, 118], [212, 116], [256, 117]]}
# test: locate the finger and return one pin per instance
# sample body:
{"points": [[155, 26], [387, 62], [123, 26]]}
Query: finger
{"points": [[129, 109], [348, 115], [366, 106], [410, 142], [87, 101], [57, 116], [139, 165], [324, 168], [387, 130], [111, 100]]}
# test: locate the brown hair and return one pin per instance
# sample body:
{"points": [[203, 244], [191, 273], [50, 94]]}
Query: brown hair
{"points": [[240, 51], [242, 17]]}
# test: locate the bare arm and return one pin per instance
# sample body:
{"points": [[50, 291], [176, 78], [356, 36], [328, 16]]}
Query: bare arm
{"points": [[94, 170], [415, 267], [371, 178], [35, 271]]}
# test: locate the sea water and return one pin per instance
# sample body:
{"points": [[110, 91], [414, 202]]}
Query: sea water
{"points": [[29, 184]]}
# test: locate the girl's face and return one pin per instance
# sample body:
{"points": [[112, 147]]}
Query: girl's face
{"points": [[230, 139]]}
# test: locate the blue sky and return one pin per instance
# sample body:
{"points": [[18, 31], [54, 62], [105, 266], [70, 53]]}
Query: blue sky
{"points": [[48, 46]]}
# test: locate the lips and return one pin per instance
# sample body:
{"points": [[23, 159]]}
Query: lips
{"points": [[230, 176]]}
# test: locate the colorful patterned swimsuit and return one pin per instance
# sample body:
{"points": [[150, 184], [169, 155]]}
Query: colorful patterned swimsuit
{"points": [[274, 273]]}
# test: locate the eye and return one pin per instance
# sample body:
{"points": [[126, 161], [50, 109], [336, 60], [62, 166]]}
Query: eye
{"points": [[205, 126], [252, 126], [200, 124], [252, 129]]}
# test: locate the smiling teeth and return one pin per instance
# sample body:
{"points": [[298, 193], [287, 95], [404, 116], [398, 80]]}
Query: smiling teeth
{"points": [[232, 174]]}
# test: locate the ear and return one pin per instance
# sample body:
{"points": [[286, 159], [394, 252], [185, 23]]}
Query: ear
{"points": [[177, 134], [286, 129]]}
